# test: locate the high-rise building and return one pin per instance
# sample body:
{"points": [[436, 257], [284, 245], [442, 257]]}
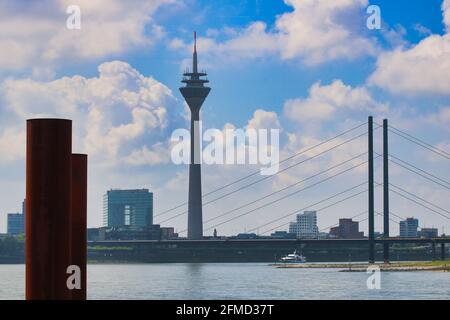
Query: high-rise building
{"points": [[408, 228], [305, 226], [195, 93], [16, 222], [133, 208], [347, 229]]}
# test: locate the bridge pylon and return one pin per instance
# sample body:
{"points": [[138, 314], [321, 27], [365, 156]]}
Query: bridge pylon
{"points": [[371, 208]]}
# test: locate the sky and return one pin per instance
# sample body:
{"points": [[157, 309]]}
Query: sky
{"points": [[311, 69]]}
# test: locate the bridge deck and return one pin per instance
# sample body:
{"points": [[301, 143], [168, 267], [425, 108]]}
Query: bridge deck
{"points": [[279, 241]]}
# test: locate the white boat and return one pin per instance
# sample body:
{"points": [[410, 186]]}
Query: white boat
{"points": [[294, 258]]}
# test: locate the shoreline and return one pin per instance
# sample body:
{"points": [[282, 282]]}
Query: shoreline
{"points": [[362, 267]]}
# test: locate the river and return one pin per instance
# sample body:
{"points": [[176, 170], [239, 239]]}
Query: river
{"points": [[239, 281]]}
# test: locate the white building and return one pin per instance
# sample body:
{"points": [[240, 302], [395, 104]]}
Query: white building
{"points": [[305, 226]]}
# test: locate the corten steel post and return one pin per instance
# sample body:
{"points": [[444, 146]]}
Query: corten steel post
{"points": [[371, 195], [385, 190], [48, 206], [79, 220]]}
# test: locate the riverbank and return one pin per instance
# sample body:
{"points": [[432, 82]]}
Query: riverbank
{"points": [[362, 267]]}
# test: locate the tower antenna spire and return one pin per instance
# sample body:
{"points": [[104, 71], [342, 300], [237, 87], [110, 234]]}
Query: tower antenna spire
{"points": [[194, 59], [195, 41]]}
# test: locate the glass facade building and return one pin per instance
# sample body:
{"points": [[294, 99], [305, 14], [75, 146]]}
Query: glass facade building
{"points": [[133, 208], [408, 228], [16, 222]]}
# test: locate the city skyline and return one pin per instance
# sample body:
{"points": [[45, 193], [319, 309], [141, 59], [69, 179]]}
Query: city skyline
{"points": [[303, 96]]}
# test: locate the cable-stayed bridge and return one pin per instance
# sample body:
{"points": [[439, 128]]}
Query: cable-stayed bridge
{"points": [[365, 158]]}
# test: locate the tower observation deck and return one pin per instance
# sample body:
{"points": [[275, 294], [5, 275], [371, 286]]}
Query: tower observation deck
{"points": [[195, 93]]}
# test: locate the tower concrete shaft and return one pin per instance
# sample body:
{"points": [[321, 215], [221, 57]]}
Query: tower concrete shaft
{"points": [[195, 93]]}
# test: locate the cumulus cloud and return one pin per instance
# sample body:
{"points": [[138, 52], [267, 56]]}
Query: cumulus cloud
{"points": [[36, 36], [12, 144], [325, 100], [313, 32], [159, 153], [115, 114], [263, 119], [441, 118], [421, 69]]}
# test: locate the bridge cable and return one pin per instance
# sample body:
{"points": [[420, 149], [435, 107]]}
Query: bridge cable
{"points": [[312, 205], [423, 144], [286, 196], [420, 198], [421, 141], [289, 186], [420, 204], [267, 177], [336, 224], [418, 173], [257, 171], [421, 170]]}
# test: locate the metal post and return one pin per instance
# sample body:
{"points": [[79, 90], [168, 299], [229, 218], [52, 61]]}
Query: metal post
{"points": [[371, 195], [442, 251], [385, 190], [48, 207], [79, 220]]}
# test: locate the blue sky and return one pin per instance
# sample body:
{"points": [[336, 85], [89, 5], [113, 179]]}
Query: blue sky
{"points": [[311, 69]]}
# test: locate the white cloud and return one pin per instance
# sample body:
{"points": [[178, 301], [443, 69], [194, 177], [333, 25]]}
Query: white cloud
{"points": [[12, 144], [158, 154], [36, 37], [112, 113], [313, 32], [264, 120], [440, 119], [324, 101], [446, 13], [319, 31], [422, 30], [422, 69]]}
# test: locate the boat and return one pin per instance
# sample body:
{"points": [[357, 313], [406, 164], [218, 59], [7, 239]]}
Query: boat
{"points": [[294, 258]]}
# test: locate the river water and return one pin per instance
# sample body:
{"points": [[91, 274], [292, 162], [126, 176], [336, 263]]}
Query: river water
{"points": [[239, 281]]}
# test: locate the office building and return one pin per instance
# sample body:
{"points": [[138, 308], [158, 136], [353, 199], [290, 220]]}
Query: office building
{"points": [[408, 228], [347, 229], [305, 226], [128, 208], [16, 222]]}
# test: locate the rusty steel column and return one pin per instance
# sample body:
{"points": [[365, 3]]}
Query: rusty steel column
{"points": [[48, 206], [79, 221]]}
